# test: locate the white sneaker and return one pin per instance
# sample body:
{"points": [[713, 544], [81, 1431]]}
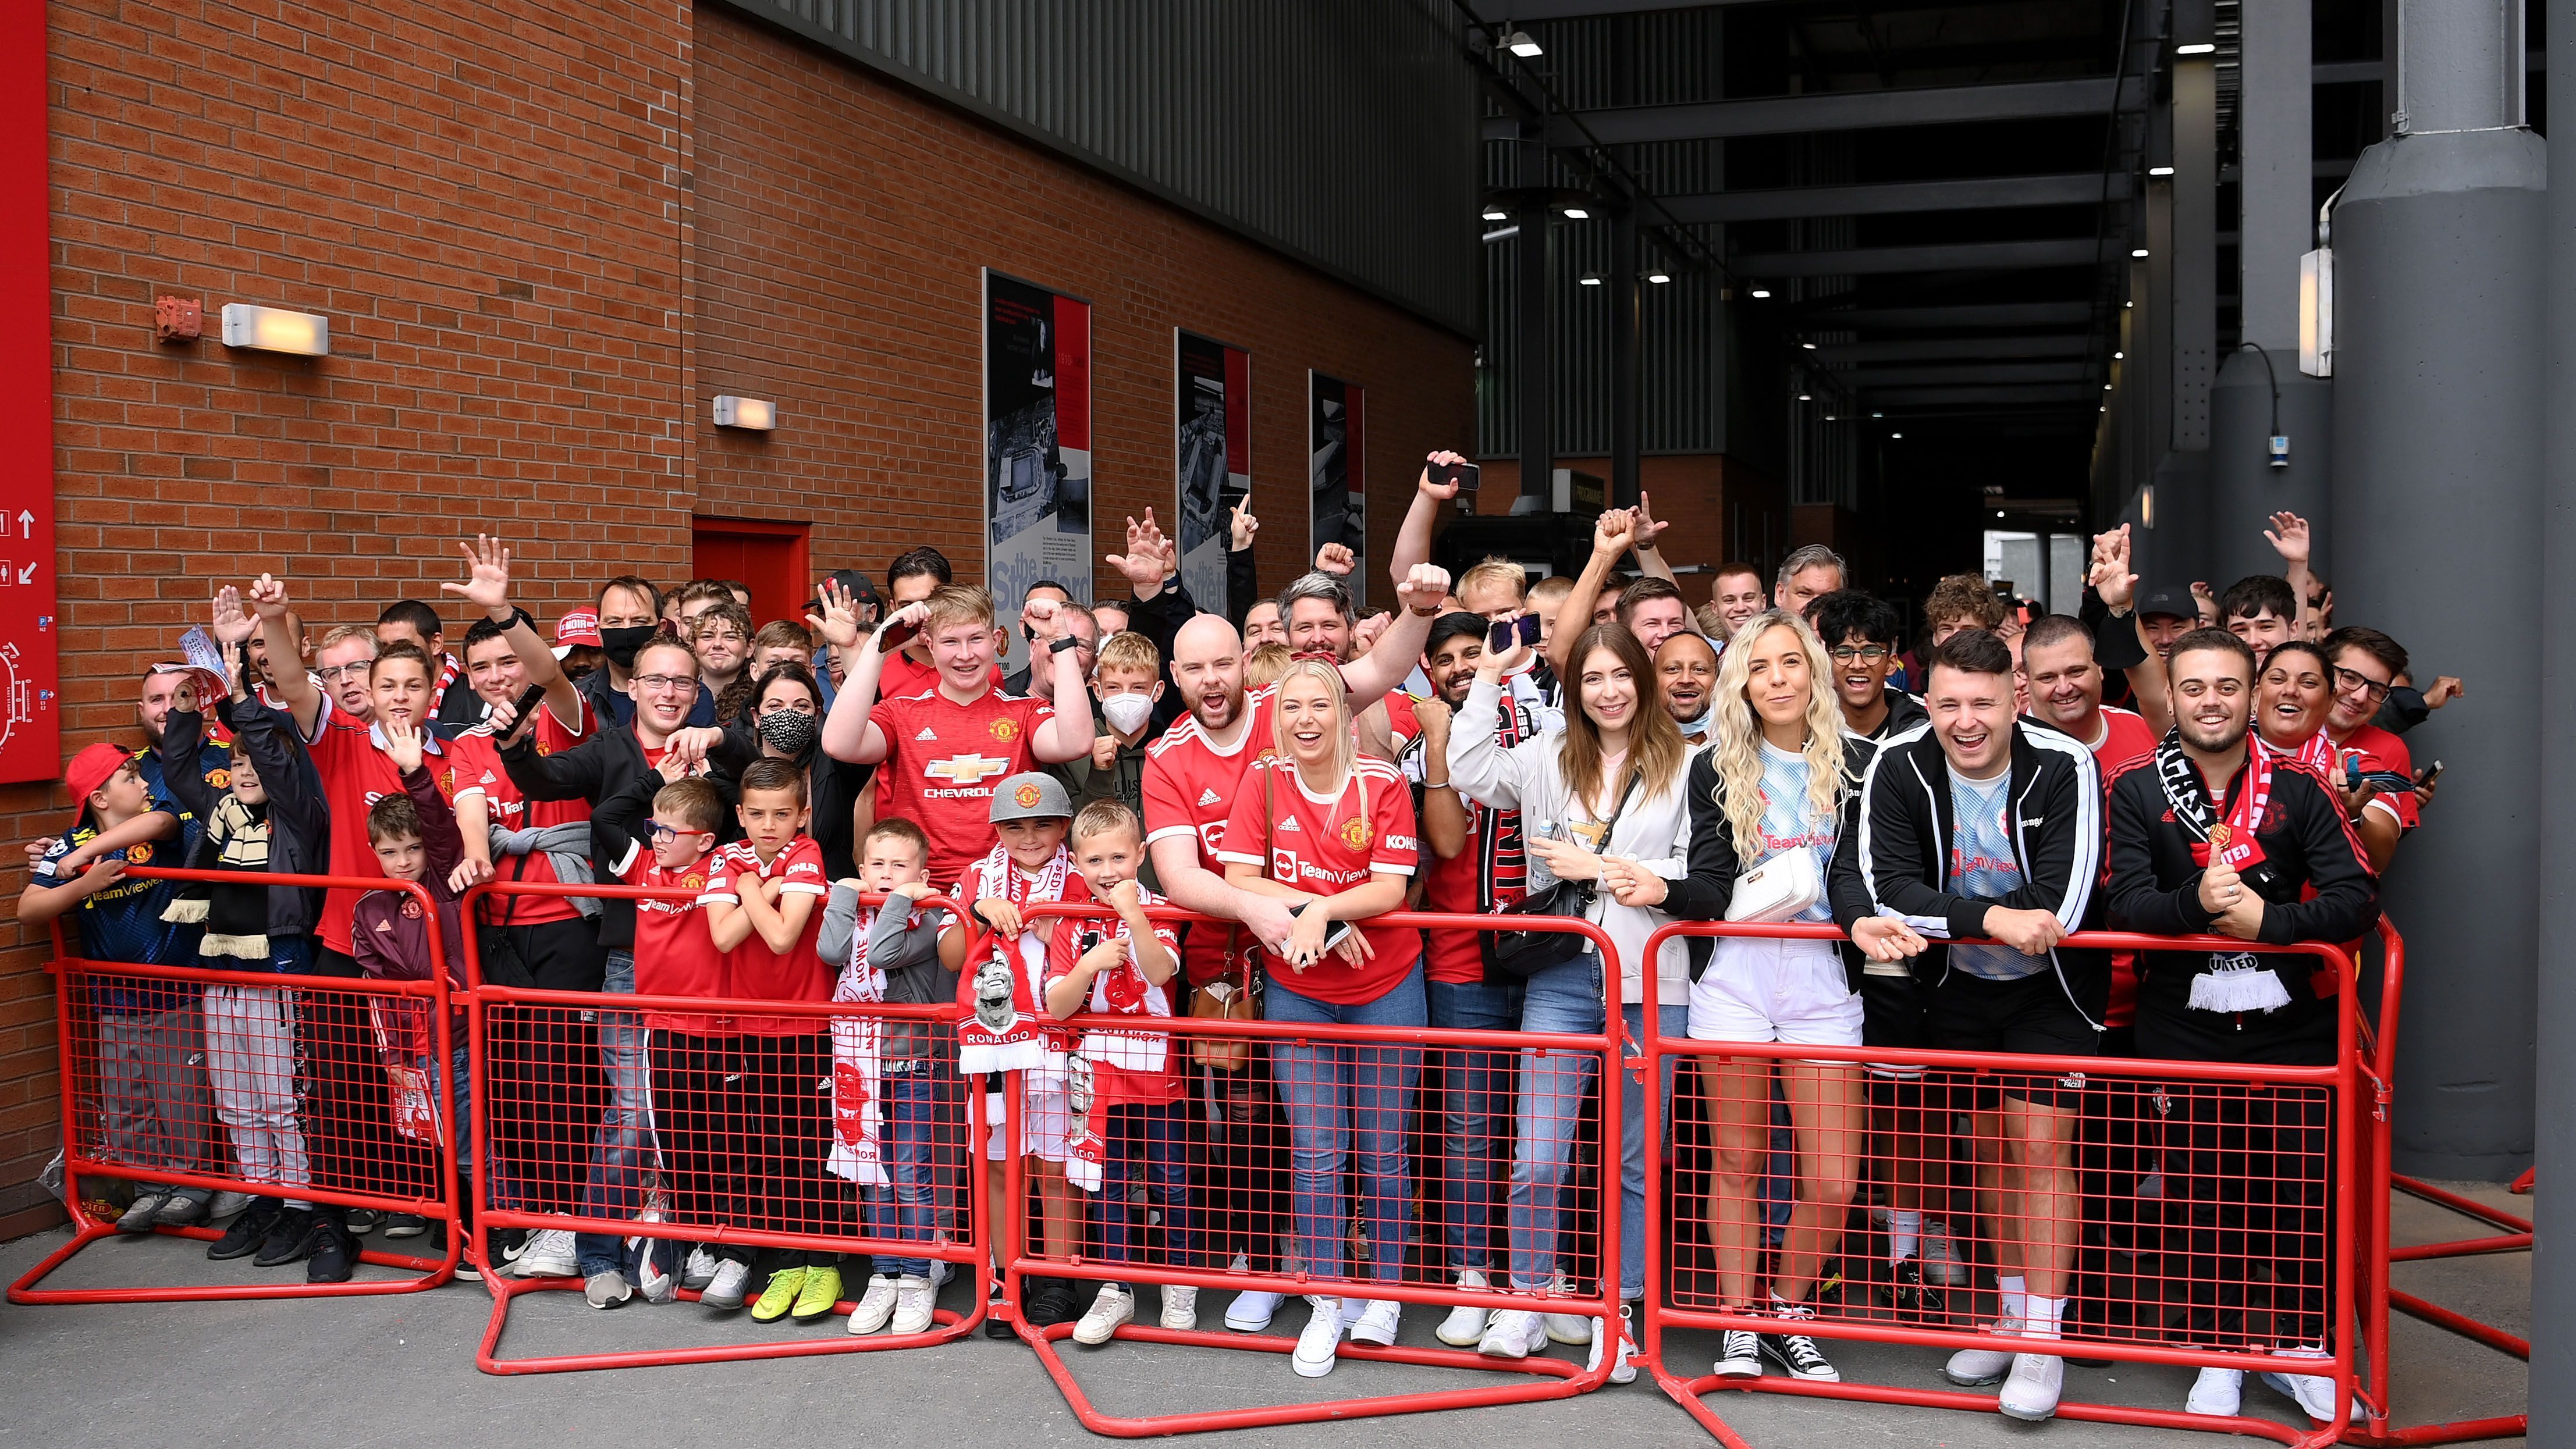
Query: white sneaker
{"points": [[1465, 1325], [1974, 1368], [1378, 1321], [1943, 1264], [941, 1270], [1253, 1309], [1739, 1355], [1623, 1371], [874, 1306], [2314, 1392], [1112, 1310], [2031, 1393], [2219, 1392], [1567, 1328], [700, 1270], [1510, 1333], [726, 1290], [606, 1290], [549, 1254], [914, 1298], [1321, 1341], [1180, 1308]]}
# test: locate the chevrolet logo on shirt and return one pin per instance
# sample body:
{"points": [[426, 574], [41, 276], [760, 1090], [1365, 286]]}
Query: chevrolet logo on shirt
{"points": [[966, 769]]}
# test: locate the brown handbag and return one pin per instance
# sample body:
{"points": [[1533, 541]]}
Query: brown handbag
{"points": [[1224, 1000]]}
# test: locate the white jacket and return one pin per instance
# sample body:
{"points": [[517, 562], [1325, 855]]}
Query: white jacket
{"points": [[1526, 778]]}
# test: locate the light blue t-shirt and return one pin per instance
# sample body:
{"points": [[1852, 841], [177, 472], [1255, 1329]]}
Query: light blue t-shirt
{"points": [[1982, 866], [1785, 823]]}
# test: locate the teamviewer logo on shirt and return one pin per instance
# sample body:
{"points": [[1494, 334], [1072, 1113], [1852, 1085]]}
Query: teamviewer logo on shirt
{"points": [[966, 769]]}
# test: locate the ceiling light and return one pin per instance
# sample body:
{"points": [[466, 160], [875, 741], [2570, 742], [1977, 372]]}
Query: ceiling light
{"points": [[1829, 417], [1896, 435], [757, 414], [2197, 48], [1659, 276], [1878, 415], [2137, 251], [1806, 397], [1496, 213], [1590, 279], [2159, 171], [273, 329], [2126, 305], [1524, 45], [2116, 356], [1999, 513], [2103, 409], [1576, 213], [1761, 294], [2106, 387], [1808, 345]]}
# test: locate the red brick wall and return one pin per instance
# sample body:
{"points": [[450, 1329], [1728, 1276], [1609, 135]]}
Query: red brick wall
{"points": [[540, 258]]}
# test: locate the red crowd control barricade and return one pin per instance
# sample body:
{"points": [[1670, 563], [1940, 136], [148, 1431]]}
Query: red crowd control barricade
{"points": [[300, 1088], [2375, 1258], [1205, 1193], [788, 1137], [2259, 1160]]}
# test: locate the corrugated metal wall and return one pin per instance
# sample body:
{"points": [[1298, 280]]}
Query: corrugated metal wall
{"points": [[1342, 132]]}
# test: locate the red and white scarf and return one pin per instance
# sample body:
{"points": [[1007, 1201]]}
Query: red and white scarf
{"points": [[1007, 1033], [858, 1047], [2315, 752], [1122, 990]]}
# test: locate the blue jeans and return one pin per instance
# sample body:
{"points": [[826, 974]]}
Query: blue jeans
{"points": [[916, 1102], [1475, 1089], [1567, 998], [619, 1147], [1344, 1099], [1151, 1142]]}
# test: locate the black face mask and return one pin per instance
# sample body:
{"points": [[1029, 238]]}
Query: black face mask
{"points": [[622, 643], [790, 733]]}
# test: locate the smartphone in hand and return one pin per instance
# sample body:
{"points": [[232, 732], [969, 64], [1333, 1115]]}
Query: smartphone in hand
{"points": [[1505, 632], [524, 708], [1465, 475], [896, 635]]}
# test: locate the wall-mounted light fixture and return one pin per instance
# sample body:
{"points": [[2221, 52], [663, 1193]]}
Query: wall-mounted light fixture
{"points": [[1589, 279], [1576, 213], [1659, 276], [272, 329], [754, 414], [2198, 48], [1761, 294], [1524, 45]]}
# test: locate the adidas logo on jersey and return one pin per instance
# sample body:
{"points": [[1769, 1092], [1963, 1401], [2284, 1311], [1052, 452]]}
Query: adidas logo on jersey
{"points": [[927, 733], [1287, 823], [1207, 797]]}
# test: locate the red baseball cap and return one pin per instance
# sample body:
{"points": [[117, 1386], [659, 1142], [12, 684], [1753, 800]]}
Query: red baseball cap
{"points": [[92, 768], [577, 626]]}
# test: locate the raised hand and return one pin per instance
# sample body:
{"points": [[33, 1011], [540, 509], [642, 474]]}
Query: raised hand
{"points": [[268, 597], [230, 625], [487, 580], [402, 744], [1366, 633], [2288, 536], [1141, 563], [916, 613], [839, 622], [1613, 531], [1336, 558], [2111, 577], [1125, 897], [2205, 602], [1442, 491], [1423, 588], [1645, 525], [1245, 526], [1044, 623]]}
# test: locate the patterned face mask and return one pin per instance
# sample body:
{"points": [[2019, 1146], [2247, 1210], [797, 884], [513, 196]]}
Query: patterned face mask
{"points": [[790, 732]]}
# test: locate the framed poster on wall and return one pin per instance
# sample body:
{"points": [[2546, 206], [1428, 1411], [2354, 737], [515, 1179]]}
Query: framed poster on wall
{"points": [[1037, 445], [1212, 457], [1337, 502]]}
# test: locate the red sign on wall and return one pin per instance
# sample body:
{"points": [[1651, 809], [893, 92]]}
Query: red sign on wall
{"points": [[30, 675]]}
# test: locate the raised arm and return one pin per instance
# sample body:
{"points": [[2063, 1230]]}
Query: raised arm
{"points": [[1242, 569], [848, 733], [289, 682], [1611, 534], [2122, 642], [1420, 590], [1413, 540], [1065, 734], [1650, 561], [487, 587]]}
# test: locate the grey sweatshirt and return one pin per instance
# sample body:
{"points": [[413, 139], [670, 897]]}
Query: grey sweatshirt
{"points": [[906, 949]]}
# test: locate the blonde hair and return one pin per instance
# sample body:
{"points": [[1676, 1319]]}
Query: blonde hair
{"points": [[1263, 666], [1493, 573], [1345, 748], [1102, 816], [1737, 753], [958, 604], [1656, 749], [1127, 649]]}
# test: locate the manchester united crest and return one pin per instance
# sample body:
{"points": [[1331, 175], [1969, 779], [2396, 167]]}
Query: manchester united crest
{"points": [[220, 779], [411, 908], [1005, 730], [1026, 797], [139, 853], [1355, 833], [695, 880]]}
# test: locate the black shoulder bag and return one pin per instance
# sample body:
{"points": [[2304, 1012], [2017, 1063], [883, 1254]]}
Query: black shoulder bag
{"points": [[1519, 954]]}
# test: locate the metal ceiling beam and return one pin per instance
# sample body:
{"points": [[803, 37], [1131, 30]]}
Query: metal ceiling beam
{"points": [[1780, 204], [1870, 381], [1929, 349], [1992, 393], [1835, 111], [2000, 314], [1945, 257]]}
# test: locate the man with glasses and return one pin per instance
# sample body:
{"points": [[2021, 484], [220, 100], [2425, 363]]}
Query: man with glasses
{"points": [[1860, 633], [2366, 666]]}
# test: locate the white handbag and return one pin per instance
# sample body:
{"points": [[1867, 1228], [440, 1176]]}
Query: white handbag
{"points": [[1782, 888]]}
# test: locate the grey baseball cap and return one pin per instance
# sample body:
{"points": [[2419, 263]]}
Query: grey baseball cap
{"points": [[1035, 795]]}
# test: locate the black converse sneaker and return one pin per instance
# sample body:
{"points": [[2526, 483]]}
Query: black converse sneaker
{"points": [[1798, 1353], [1739, 1355]]}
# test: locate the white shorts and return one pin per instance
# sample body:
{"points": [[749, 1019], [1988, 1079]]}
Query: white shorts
{"points": [[1045, 1120], [1784, 991]]}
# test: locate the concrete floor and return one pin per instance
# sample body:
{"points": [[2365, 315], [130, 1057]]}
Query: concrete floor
{"points": [[399, 1370]]}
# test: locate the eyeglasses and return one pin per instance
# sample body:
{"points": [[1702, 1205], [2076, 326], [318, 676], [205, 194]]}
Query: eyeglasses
{"points": [[1866, 654], [661, 683], [2348, 680], [334, 673], [662, 832]]}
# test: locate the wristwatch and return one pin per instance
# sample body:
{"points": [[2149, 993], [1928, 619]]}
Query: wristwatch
{"points": [[1058, 646]]}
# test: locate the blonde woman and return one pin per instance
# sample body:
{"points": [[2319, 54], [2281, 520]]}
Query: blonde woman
{"points": [[1331, 832], [1781, 778]]}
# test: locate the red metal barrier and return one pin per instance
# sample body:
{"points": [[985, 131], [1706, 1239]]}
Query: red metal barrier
{"points": [[734, 1146], [2375, 1258], [352, 1156], [1544, 1377], [2296, 1105]]}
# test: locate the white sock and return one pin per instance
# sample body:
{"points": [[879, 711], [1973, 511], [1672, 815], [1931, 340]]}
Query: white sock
{"points": [[1904, 1235], [2013, 1291], [2040, 1318]]}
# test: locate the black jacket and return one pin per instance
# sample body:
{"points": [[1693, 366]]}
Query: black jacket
{"points": [[2155, 887], [1904, 712], [1705, 893], [608, 762], [2056, 827], [299, 823]]}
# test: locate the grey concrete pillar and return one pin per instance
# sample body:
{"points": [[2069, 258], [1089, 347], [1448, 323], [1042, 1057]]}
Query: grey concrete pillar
{"points": [[2195, 246], [1534, 364], [2553, 1262], [2244, 488], [2276, 221], [2438, 422], [1625, 289]]}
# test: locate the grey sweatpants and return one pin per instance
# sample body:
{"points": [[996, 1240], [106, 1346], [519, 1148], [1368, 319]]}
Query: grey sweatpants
{"points": [[152, 1090]]}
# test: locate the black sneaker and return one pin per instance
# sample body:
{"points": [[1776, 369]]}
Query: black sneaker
{"points": [[1739, 1355], [995, 1325], [1051, 1301], [362, 1221], [334, 1253], [1907, 1293], [247, 1233], [1798, 1353], [289, 1239]]}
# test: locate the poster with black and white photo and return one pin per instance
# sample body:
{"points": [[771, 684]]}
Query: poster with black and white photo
{"points": [[1037, 445], [1334, 472], [1212, 455]]}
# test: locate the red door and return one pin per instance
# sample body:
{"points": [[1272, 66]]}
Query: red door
{"points": [[768, 556]]}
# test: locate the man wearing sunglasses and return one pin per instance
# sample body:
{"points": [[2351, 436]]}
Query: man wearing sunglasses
{"points": [[1860, 632], [2366, 665]]}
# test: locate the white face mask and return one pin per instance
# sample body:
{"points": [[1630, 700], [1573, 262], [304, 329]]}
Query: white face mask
{"points": [[1127, 713]]}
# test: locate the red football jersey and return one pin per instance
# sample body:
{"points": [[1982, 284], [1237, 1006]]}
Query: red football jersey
{"points": [[474, 765], [675, 952], [943, 760], [2380, 750], [355, 775], [1190, 786], [1326, 847], [1111, 1084], [1451, 885], [753, 971], [900, 678]]}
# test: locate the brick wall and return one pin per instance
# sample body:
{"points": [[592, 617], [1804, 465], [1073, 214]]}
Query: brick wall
{"points": [[1697, 494], [539, 259]]}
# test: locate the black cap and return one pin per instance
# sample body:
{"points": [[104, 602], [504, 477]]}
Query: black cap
{"points": [[2174, 599], [855, 583]]}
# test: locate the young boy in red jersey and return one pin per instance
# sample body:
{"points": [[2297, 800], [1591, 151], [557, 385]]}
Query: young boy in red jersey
{"points": [[764, 901], [1138, 1123], [658, 833]]}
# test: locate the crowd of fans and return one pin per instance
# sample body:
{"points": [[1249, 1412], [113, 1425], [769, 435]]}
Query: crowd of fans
{"points": [[1955, 801]]}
